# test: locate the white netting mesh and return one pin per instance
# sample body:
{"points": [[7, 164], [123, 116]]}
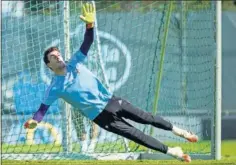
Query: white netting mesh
{"points": [[129, 39]]}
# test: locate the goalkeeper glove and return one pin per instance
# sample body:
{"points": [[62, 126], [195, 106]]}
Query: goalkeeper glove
{"points": [[88, 15], [31, 124]]}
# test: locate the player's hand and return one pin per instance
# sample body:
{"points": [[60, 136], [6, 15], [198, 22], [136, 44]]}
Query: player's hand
{"points": [[30, 124], [88, 13]]}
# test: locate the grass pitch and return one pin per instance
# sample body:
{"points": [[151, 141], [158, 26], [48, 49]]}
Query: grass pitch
{"points": [[228, 158]]}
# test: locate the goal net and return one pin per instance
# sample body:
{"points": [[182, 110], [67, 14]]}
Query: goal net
{"points": [[158, 55]]}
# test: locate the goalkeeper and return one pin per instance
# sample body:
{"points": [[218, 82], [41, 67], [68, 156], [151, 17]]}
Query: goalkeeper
{"points": [[74, 83]]}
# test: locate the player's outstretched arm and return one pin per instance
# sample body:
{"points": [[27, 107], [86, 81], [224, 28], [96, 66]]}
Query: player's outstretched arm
{"points": [[38, 117], [88, 16]]}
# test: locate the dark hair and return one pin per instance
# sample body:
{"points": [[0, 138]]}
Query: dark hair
{"points": [[49, 50]]}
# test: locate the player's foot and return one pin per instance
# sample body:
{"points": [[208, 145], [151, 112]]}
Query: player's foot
{"points": [[186, 158], [190, 136], [177, 153]]}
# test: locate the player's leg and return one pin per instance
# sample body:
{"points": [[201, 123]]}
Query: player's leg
{"points": [[134, 113], [83, 142], [121, 127], [78, 121], [94, 131], [131, 112]]}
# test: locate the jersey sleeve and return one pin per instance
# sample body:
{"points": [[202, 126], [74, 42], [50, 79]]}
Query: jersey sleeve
{"points": [[50, 96], [81, 54], [78, 57], [38, 116]]}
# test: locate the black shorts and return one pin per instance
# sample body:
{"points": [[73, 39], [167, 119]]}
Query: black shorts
{"points": [[112, 120]]}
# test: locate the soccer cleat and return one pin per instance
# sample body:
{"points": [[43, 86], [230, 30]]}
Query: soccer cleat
{"points": [[177, 153], [186, 158], [190, 136]]}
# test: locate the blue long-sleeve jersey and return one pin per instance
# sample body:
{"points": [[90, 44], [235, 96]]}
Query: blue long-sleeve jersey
{"points": [[79, 87]]}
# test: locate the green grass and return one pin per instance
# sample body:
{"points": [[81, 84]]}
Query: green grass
{"points": [[228, 158], [126, 162], [203, 146]]}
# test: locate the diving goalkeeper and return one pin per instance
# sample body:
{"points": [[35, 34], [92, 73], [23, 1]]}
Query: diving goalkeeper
{"points": [[74, 83]]}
